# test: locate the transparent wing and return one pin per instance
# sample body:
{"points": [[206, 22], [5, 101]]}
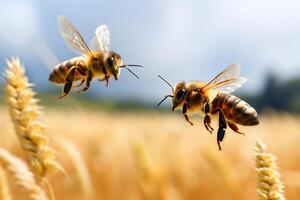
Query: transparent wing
{"points": [[227, 81], [229, 85], [72, 37], [103, 37], [95, 44]]}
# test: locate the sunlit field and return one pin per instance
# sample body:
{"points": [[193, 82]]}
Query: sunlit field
{"points": [[88, 89], [152, 155]]}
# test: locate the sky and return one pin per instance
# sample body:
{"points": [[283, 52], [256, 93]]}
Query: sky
{"points": [[180, 40]]}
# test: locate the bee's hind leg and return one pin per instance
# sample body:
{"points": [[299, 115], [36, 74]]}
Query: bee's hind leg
{"points": [[222, 129], [69, 82], [88, 83], [235, 128]]}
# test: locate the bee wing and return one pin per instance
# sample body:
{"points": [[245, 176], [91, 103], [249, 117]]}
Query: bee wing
{"points": [[227, 81], [103, 38], [72, 37], [95, 44]]}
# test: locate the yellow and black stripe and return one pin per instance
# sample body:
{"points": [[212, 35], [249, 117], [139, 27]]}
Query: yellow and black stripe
{"points": [[235, 109], [60, 72]]}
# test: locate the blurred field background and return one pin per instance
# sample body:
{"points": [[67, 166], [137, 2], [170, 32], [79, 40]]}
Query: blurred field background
{"points": [[113, 142], [159, 156]]}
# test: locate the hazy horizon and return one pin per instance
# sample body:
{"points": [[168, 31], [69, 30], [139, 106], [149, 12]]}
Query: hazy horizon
{"points": [[188, 40]]}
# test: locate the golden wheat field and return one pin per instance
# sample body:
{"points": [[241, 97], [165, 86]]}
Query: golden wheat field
{"points": [[158, 156], [97, 154]]}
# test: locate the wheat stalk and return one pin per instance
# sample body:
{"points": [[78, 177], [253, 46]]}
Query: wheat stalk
{"points": [[4, 188], [269, 184], [152, 180], [222, 167], [80, 167], [22, 175], [25, 113]]}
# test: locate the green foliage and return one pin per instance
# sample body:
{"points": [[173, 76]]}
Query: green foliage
{"points": [[280, 96]]}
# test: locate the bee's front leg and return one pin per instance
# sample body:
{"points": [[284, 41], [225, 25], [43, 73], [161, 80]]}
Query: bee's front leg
{"points": [[184, 112], [207, 119], [222, 128], [88, 83], [105, 79]]}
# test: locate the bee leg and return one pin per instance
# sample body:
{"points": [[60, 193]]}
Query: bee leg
{"points": [[222, 128], [184, 111], [105, 79], [235, 128], [207, 119], [69, 81], [88, 83], [80, 84]]}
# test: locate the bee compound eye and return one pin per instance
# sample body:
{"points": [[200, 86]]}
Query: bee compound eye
{"points": [[180, 94], [110, 61]]}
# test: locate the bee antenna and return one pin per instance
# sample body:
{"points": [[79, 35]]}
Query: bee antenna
{"points": [[164, 99], [166, 82], [125, 66], [130, 65]]}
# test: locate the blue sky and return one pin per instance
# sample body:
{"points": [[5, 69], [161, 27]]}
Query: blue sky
{"points": [[181, 40]]}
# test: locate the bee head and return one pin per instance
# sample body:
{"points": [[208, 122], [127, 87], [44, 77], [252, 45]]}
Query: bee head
{"points": [[179, 95], [113, 62]]}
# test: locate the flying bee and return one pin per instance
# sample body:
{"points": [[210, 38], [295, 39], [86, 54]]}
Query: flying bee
{"points": [[215, 98], [101, 62]]}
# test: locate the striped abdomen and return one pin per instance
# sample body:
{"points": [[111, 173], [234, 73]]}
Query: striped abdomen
{"points": [[60, 72], [235, 109]]}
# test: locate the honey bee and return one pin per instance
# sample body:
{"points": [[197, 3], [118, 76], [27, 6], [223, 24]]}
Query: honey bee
{"points": [[215, 98], [101, 62]]}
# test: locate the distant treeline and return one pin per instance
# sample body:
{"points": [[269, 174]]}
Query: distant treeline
{"points": [[277, 95]]}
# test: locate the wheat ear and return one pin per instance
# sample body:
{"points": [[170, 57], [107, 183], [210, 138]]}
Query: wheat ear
{"points": [[22, 175], [4, 187], [25, 114], [269, 184]]}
